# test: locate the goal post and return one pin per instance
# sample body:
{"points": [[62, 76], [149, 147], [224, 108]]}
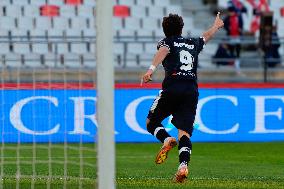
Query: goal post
{"points": [[105, 95]]}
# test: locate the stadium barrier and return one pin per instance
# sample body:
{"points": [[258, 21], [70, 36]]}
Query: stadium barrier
{"points": [[57, 112], [23, 56]]}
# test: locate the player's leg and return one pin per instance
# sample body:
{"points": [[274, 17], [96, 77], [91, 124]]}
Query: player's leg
{"points": [[160, 109], [237, 48], [183, 119], [184, 147], [155, 127], [168, 141]]}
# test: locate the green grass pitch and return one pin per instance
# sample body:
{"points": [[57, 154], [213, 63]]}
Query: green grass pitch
{"points": [[213, 165]]}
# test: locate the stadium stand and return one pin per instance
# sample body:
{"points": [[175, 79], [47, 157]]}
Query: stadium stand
{"points": [[66, 29], [54, 20]]}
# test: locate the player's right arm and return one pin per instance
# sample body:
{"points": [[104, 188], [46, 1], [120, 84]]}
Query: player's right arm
{"points": [[158, 59]]}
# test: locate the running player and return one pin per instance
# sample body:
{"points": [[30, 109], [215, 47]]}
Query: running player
{"points": [[179, 94]]}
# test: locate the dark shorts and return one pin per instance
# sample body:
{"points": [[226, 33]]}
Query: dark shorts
{"points": [[181, 106]]}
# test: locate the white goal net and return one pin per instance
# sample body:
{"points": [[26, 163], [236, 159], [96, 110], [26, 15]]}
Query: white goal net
{"points": [[47, 117]]}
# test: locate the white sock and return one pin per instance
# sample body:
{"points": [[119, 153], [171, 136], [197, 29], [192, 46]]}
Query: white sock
{"points": [[182, 164], [166, 139]]}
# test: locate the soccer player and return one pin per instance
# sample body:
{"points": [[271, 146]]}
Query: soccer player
{"points": [[179, 94]]}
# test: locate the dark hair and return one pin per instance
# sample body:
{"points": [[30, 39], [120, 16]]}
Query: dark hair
{"points": [[172, 25], [231, 9]]}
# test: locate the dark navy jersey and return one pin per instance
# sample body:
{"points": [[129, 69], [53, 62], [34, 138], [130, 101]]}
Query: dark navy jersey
{"points": [[181, 63]]}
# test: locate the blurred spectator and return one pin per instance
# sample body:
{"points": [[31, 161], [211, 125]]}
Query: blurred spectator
{"points": [[233, 24], [223, 55], [272, 56], [238, 6], [258, 7]]}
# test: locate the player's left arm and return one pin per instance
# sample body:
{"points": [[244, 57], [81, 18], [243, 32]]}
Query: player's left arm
{"points": [[218, 23]]}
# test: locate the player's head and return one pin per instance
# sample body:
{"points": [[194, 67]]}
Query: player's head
{"points": [[172, 25]]}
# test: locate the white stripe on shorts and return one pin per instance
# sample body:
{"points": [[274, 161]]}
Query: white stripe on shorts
{"points": [[155, 103], [157, 130]]}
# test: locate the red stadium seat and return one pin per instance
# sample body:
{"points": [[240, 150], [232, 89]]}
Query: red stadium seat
{"points": [[121, 11], [282, 11], [49, 10], [73, 2]]}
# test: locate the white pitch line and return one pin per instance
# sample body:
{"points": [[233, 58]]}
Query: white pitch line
{"points": [[85, 157]]}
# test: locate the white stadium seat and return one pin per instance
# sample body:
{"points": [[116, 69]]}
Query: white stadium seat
{"points": [[118, 48], [131, 60], [56, 2], [2, 11], [91, 22], [151, 48], [38, 2], [55, 33], [60, 23], [22, 48], [14, 11], [159, 33], [71, 60], [89, 33], [32, 60], [7, 23], [117, 23], [19, 33], [40, 48], [20, 2], [51, 60], [138, 11], [164, 3], [60, 48], [90, 3], [126, 33], [4, 33], [4, 48], [132, 23], [43, 23], [78, 33], [210, 49], [79, 48], [174, 10], [31, 11], [5, 2], [89, 60], [93, 48], [13, 60], [144, 3], [38, 33], [79, 22], [85, 11], [141, 34], [25, 23], [67, 11], [127, 2], [150, 23], [135, 48], [156, 12], [146, 60]]}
